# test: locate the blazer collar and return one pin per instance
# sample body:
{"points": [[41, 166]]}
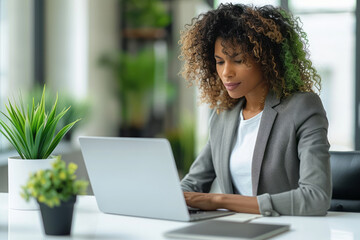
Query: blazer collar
{"points": [[267, 121]]}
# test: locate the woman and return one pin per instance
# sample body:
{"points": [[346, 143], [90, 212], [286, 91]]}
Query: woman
{"points": [[267, 146]]}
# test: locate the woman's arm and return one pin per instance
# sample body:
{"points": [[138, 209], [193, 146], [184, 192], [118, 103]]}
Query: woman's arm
{"points": [[213, 201], [201, 174], [313, 193]]}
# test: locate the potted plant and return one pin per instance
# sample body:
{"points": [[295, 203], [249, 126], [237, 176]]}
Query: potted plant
{"points": [[55, 190], [32, 132], [135, 79], [80, 108], [145, 20]]}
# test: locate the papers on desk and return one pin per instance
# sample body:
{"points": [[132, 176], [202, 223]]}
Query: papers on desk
{"points": [[240, 217]]}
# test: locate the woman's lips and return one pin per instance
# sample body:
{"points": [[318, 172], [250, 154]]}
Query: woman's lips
{"points": [[231, 86]]}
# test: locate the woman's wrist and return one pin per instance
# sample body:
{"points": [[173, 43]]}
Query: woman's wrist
{"points": [[218, 200], [237, 203]]}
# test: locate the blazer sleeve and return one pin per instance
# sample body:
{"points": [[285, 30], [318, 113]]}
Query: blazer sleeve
{"points": [[201, 174], [313, 195]]}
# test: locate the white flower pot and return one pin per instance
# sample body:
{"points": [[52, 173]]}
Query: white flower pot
{"points": [[18, 174]]}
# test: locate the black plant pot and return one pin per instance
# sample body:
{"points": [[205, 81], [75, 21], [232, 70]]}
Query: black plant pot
{"points": [[58, 220]]}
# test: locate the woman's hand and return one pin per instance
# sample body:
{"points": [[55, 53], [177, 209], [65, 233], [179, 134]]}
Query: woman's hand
{"points": [[204, 201], [213, 201]]}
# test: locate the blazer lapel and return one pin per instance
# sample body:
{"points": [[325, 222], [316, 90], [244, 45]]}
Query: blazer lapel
{"points": [[267, 121], [227, 144]]}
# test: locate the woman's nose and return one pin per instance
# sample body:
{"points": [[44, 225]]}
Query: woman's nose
{"points": [[228, 70]]}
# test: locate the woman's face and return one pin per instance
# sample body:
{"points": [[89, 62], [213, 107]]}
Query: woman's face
{"points": [[239, 78]]}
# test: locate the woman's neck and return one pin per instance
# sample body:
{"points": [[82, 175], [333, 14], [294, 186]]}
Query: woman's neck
{"points": [[255, 102]]}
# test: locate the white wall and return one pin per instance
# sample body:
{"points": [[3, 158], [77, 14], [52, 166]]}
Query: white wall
{"points": [[20, 47], [66, 46], [103, 37], [77, 33]]}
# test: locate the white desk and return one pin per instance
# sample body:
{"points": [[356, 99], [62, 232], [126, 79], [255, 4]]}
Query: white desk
{"points": [[90, 223]]}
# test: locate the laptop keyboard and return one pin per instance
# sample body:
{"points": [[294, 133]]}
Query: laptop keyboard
{"points": [[200, 214], [195, 211]]}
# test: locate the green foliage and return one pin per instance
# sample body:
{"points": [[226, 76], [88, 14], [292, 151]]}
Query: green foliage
{"points": [[79, 108], [52, 186], [146, 13], [32, 130], [135, 78], [182, 142], [135, 72]]}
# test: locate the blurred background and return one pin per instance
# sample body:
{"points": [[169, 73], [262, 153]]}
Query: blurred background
{"points": [[115, 62]]}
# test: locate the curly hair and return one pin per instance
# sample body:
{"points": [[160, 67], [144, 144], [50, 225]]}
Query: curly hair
{"points": [[269, 35]]}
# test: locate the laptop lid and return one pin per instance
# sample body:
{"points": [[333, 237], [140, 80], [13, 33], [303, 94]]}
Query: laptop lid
{"points": [[135, 177]]}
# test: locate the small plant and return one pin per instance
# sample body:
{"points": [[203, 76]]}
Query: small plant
{"points": [[55, 185], [31, 130]]}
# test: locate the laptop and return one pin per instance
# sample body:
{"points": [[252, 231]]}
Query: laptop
{"points": [[137, 177]]}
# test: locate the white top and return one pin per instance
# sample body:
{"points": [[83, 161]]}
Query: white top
{"points": [[242, 154]]}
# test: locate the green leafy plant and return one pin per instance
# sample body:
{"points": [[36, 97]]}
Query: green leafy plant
{"points": [[135, 78], [31, 130], [146, 13], [182, 140], [55, 185], [80, 108]]}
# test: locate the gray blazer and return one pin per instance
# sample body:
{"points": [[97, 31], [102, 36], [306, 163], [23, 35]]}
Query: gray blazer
{"points": [[290, 169]]}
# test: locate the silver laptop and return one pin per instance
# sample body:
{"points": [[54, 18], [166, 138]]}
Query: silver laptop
{"points": [[137, 177]]}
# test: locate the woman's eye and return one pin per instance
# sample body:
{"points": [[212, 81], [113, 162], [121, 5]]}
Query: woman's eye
{"points": [[219, 63], [239, 61]]}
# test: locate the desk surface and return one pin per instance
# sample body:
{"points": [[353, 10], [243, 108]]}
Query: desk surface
{"points": [[90, 223]]}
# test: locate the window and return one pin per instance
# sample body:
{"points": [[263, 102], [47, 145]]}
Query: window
{"points": [[3, 57], [254, 2], [330, 28], [322, 6]]}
